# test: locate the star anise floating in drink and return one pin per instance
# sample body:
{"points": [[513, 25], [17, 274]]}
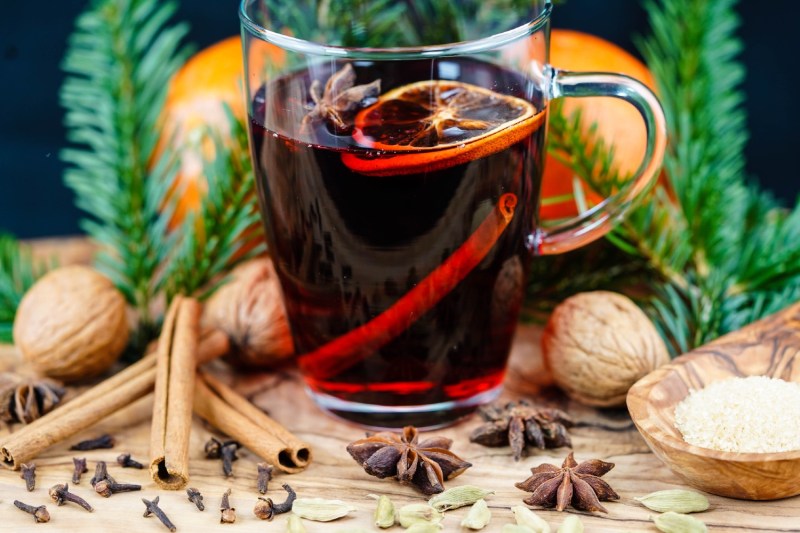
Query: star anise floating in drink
{"points": [[341, 99], [426, 464], [573, 484], [521, 424]]}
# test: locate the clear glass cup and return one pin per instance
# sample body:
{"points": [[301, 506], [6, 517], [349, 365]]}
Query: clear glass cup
{"points": [[398, 148]]}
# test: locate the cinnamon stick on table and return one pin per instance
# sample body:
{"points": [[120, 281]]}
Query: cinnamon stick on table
{"points": [[174, 390], [94, 405], [237, 417]]}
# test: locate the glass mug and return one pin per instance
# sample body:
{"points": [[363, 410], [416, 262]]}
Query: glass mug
{"points": [[398, 163]]}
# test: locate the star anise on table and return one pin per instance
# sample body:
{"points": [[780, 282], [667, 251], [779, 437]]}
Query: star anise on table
{"points": [[521, 424], [25, 400], [426, 464], [573, 484], [341, 99]]}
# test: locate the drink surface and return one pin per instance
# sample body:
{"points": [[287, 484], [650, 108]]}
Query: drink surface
{"points": [[356, 224]]}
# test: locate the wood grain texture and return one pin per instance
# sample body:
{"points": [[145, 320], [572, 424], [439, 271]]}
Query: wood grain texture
{"points": [[770, 347], [608, 435]]}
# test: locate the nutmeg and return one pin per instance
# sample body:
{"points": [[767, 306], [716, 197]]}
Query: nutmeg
{"points": [[72, 324], [598, 344], [250, 309]]}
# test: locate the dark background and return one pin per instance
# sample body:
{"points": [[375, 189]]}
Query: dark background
{"points": [[33, 202]]}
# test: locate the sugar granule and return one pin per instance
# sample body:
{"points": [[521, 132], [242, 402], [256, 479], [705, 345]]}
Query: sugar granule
{"points": [[754, 414]]}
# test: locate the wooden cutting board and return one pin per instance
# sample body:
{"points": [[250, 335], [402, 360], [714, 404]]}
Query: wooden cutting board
{"points": [[607, 435]]}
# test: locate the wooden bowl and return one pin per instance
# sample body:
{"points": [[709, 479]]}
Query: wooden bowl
{"points": [[770, 347]]}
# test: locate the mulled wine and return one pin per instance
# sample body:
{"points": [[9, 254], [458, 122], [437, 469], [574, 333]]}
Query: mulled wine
{"points": [[398, 199]]}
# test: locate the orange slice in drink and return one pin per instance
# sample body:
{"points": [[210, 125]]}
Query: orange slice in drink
{"points": [[433, 125]]}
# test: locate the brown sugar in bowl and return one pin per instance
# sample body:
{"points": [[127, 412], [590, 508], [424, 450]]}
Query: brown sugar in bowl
{"points": [[771, 348]]}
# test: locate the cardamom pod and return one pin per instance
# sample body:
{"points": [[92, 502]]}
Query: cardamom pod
{"points": [[295, 525], [515, 528], [478, 516], [526, 517], [571, 524], [424, 527], [384, 513], [672, 522], [458, 497], [675, 500], [320, 510], [415, 513]]}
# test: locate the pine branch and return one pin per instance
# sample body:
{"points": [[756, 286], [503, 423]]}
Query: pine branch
{"points": [[654, 231], [119, 62], [385, 23], [699, 80], [723, 254], [745, 259], [18, 272], [227, 228]]}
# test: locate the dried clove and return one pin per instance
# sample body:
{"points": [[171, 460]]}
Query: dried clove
{"points": [[40, 514], [124, 460], [80, 468], [196, 498], [29, 475], [152, 508], [100, 473], [213, 448], [266, 509], [103, 441], [60, 494], [229, 456], [227, 513], [264, 477], [106, 488]]}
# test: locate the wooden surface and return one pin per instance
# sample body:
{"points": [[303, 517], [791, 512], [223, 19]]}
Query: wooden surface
{"points": [[608, 435], [770, 347]]}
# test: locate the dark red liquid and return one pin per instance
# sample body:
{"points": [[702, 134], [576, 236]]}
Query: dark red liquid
{"points": [[347, 246]]}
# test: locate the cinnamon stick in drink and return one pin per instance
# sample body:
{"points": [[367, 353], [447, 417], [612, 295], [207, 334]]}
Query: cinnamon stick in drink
{"points": [[235, 416], [174, 389], [354, 346], [94, 405]]}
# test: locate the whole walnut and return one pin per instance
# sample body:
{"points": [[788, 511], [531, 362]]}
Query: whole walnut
{"points": [[249, 308], [598, 344], [72, 324]]}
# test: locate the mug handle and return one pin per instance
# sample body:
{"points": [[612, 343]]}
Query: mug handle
{"points": [[597, 221]]}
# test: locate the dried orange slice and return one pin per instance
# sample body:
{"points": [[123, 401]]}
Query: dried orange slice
{"points": [[436, 124]]}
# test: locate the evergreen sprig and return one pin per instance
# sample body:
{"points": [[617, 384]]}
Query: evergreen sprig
{"points": [[390, 23], [119, 62], [227, 227], [18, 272], [721, 252]]}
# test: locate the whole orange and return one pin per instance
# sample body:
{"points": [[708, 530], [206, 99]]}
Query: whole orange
{"points": [[618, 123], [195, 106]]}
